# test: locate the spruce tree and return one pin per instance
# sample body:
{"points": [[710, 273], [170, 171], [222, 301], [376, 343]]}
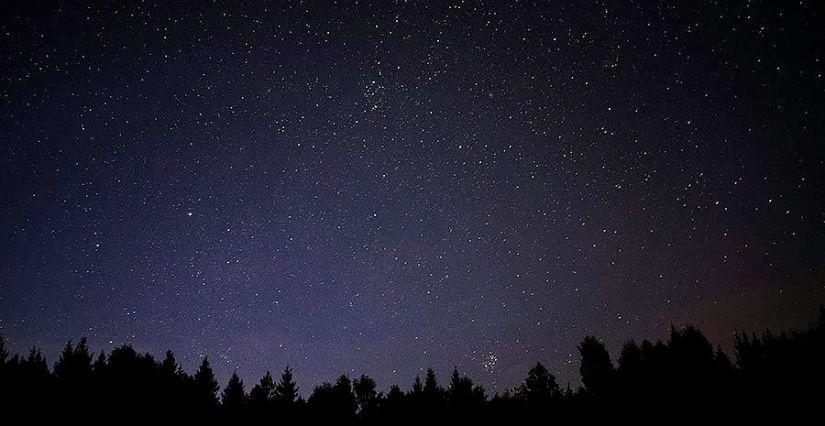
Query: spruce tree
{"points": [[262, 393], [206, 386], [286, 391], [234, 396]]}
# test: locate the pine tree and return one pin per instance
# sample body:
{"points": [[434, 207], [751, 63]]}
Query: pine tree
{"points": [[83, 358], [63, 366], [395, 395], [234, 396], [432, 401], [169, 367], [417, 387], [431, 388], [463, 396], [286, 392], [35, 364], [100, 364], [392, 407], [206, 386], [459, 390], [263, 393], [345, 398]]}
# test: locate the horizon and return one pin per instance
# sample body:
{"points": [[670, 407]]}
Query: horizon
{"points": [[305, 390]]}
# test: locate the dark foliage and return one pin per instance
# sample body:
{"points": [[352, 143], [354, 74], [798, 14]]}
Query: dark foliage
{"points": [[772, 371]]}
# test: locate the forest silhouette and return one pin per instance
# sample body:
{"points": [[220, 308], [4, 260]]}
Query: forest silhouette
{"points": [[684, 374]]}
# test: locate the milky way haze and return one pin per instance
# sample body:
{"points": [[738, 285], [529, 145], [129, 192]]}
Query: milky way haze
{"points": [[379, 188]]}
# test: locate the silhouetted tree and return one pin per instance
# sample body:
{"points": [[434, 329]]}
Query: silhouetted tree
{"points": [[334, 402], [345, 396], [233, 398], [34, 381], [693, 359], [417, 387], [73, 371], [262, 394], [169, 366], [432, 397], [206, 387], [366, 397], [394, 404], [539, 388], [35, 364], [100, 364], [287, 390], [772, 370], [431, 387], [596, 368], [629, 371], [464, 400], [171, 382], [286, 401], [415, 402]]}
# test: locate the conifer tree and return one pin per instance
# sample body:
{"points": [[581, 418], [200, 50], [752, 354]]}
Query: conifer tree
{"points": [[286, 391], [262, 393], [206, 386], [233, 397], [365, 395]]}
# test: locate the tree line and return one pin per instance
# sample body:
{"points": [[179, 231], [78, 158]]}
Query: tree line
{"points": [[768, 370]]}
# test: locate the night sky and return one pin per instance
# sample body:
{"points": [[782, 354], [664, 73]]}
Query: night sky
{"points": [[357, 188]]}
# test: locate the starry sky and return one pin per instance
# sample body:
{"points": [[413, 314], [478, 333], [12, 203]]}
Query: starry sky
{"points": [[356, 187]]}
